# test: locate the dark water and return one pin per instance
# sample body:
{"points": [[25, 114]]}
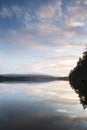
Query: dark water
{"points": [[44, 106]]}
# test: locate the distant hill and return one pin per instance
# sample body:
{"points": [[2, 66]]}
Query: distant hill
{"points": [[29, 78]]}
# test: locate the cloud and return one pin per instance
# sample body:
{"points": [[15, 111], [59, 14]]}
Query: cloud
{"points": [[62, 110], [10, 12], [49, 61], [35, 32], [50, 11], [76, 24], [77, 13], [85, 2], [47, 25], [5, 12], [17, 10]]}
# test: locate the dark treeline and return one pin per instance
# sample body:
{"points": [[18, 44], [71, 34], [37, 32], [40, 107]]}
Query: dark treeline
{"points": [[30, 78], [78, 79]]}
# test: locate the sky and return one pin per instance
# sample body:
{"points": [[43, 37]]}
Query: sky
{"points": [[42, 36]]}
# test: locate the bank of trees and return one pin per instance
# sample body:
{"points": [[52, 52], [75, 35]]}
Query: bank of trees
{"points": [[78, 79]]}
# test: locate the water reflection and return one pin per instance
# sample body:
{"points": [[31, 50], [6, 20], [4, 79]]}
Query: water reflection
{"points": [[81, 90], [49, 106]]}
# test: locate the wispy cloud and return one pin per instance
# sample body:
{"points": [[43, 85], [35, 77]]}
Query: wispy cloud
{"points": [[49, 11], [5, 12], [48, 24]]}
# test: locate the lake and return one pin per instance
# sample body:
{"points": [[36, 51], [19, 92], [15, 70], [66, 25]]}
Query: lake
{"points": [[42, 106]]}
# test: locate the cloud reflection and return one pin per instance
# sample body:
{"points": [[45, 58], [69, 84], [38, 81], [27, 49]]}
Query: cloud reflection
{"points": [[39, 106]]}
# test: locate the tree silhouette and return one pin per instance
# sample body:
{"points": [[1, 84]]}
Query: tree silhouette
{"points": [[78, 79]]}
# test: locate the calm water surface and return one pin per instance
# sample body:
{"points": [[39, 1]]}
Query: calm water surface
{"points": [[41, 106]]}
